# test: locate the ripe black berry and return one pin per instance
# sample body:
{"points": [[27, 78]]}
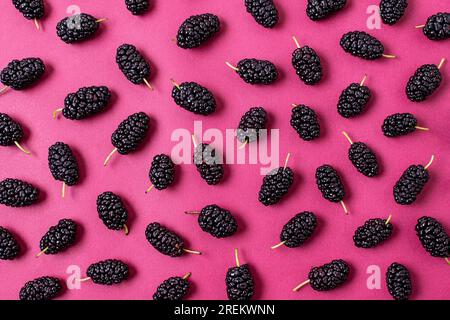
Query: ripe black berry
{"points": [[76, 28], [131, 133], [239, 281], [10, 131], [194, 98], [251, 123], [108, 272], [86, 102], [162, 171], [31, 9], [363, 45], [164, 240], [112, 211], [44, 288], [217, 221], [362, 158], [197, 29], [60, 237], [392, 10], [398, 281], [353, 100], [132, 64], [255, 71], [264, 11], [17, 193], [307, 65], [299, 229], [304, 121], [276, 185], [21, 74], [63, 164], [423, 83], [329, 276], [438, 26], [329, 183], [9, 247], [433, 237], [410, 184], [372, 233], [137, 7], [208, 164], [174, 289], [399, 124], [320, 9]]}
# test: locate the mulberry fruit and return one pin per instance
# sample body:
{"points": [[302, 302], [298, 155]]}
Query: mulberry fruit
{"points": [[78, 27], [255, 71], [162, 172], [239, 281], [194, 98], [320, 9], [399, 124], [108, 272], [392, 10], [363, 45], [264, 11], [398, 281], [330, 183], [40, 289], [112, 211], [58, 238], [276, 185], [433, 237], [307, 64], [250, 125], [423, 83], [437, 26], [304, 121], [362, 158], [208, 164], [299, 229], [11, 132], [31, 9], [21, 74], [196, 30], [84, 103], [327, 277], [17, 193], [411, 183], [353, 100], [174, 289], [63, 164], [9, 247], [372, 233], [137, 7], [133, 64], [217, 221]]}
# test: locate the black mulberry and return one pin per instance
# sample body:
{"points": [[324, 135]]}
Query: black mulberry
{"points": [[31, 9], [363, 45], [17, 193], [86, 102], [398, 281], [392, 10], [299, 229], [137, 7], [78, 27], [307, 64], [399, 124], [353, 100], [276, 185], [63, 164], [108, 272], [250, 125], [21, 74], [194, 98], [320, 9], [239, 281], [372, 233], [327, 277], [208, 164], [423, 83], [44, 288], [11, 132], [304, 121], [362, 158], [174, 289], [255, 71], [9, 247], [433, 237], [162, 171], [329, 183], [197, 29], [264, 11], [133, 64], [112, 211], [217, 221], [58, 238], [438, 26]]}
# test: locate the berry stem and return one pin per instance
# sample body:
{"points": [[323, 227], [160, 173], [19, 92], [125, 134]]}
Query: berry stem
{"points": [[175, 84], [363, 80], [109, 157], [389, 56], [42, 252], [441, 63], [4, 89], [125, 229], [231, 66], [192, 251], [236, 257], [63, 190], [192, 212], [344, 207], [287, 160], [420, 26], [301, 285], [278, 245], [429, 162], [22, 148], [55, 113], [148, 84], [447, 260], [194, 141], [296, 41], [422, 128], [85, 279], [187, 275], [36, 23], [101, 20], [389, 219], [347, 136], [294, 105], [149, 189], [242, 146]]}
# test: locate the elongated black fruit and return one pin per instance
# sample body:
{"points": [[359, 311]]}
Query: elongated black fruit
{"points": [[21, 74], [299, 229], [31, 9], [86, 102], [10, 131], [398, 281], [217, 221], [164, 240], [112, 211], [304, 121], [173, 289], [137, 7], [363, 45], [329, 183], [276, 185], [307, 65], [131, 133], [254, 71], [353, 100], [399, 124], [162, 172], [43, 288], [63, 164], [438, 26], [208, 164], [194, 98], [240, 283], [392, 10], [17, 193], [372, 233], [77, 28], [132, 64], [108, 272], [59, 237], [433, 237], [410, 184], [9, 247], [320, 9], [251, 123], [196, 30], [363, 159], [329, 276], [264, 12], [425, 81]]}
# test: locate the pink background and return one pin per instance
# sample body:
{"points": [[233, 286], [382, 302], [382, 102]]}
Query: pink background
{"points": [[276, 272]]}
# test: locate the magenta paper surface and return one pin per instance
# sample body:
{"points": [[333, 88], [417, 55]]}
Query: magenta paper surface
{"points": [[276, 271]]}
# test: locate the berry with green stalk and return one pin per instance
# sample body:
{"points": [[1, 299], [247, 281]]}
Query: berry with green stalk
{"points": [[208, 163], [362, 157], [193, 97], [162, 172], [276, 184], [173, 289], [11, 133], [250, 125], [424, 82], [216, 221], [21, 74], [297, 230], [112, 211], [31, 10], [254, 71], [78, 27], [107, 272], [239, 281], [306, 63], [63, 165], [433, 237], [330, 185], [400, 124], [305, 122], [437, 26], [133, 65], [373, 232], [354, 99], [363, 45], [58, 238]]}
